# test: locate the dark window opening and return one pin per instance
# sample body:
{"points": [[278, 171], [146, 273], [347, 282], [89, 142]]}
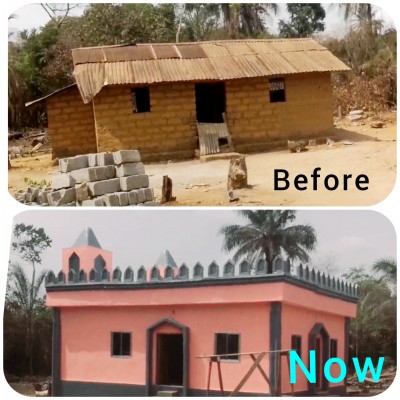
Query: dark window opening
{"points": [[333, 348], [121, 344], [140, 99], [169, 359], [227, 343], [74, 263], [210, 102], [277, 91], [296, 344]]}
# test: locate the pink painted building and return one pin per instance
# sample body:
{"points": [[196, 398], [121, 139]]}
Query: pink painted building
{"points": [[135, 333]]}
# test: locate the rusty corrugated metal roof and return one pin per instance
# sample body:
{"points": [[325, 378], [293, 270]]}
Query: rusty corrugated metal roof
{"points": [[96, 67]]}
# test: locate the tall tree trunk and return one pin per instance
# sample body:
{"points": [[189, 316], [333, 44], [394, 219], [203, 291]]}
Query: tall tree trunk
{"points": [[30, 323]]}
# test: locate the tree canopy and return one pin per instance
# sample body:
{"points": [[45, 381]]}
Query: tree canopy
{"points": [[269, 233]]}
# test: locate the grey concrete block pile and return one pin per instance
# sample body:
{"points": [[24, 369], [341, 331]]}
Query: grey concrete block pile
{"points": [[102, 179]]}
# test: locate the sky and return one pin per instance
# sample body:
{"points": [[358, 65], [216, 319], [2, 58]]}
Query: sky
{"points": [[137, 237], [33, 16]]}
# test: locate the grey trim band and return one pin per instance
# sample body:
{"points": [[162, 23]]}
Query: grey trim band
{"points": [[275, 335], [56, 354], [240, 280]]}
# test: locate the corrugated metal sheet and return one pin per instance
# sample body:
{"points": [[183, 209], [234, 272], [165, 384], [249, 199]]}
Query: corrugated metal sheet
{"points": [[219, 60]]}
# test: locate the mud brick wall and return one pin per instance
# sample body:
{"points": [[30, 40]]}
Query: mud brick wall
{"points": [[71, 124], [256, 124], [167, 131]]}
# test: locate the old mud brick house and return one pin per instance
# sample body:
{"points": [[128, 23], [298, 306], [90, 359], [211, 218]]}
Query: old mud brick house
{"points": [[138, 332], [150, 96]]}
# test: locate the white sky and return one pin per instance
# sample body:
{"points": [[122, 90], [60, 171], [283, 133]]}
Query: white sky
{"points": [[136, 237], [33, 16]]}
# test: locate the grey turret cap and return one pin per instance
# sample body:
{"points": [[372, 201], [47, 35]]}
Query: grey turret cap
{"points": [[87, 238], [165, 259]]}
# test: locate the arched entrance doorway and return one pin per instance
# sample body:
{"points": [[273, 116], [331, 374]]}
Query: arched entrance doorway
{"points": [[167, 357], [318, 340]]}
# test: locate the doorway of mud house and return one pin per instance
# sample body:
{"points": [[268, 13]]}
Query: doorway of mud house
{"points": [[169, 371], [210, 102], [318, 354]]}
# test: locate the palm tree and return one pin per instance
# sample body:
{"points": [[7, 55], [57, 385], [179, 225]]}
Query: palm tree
{"points": [[25, 294], [387, 268], [268, 233], [248, 17]]}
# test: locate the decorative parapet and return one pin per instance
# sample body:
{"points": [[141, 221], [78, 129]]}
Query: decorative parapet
{"points": [[244, 272]]}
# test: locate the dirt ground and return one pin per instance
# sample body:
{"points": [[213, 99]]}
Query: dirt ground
{"points": [[195, 183]]}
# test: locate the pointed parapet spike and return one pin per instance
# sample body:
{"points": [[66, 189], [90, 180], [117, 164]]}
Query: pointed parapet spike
{"points": [[61, 277], [92, 275], [300, 272], [356, 291], [141, 275], [82, 276], [198, 271], [183, 272], [346, 288], [50, 278], [72, 276], [287, 267], [342, 286], [117, 275], [318, 278], [213, 270], [313, 278], [307, 273], [323, 279], [128, 275], [105, 275], [261, 267], [155, 274], [229, 269], [278, 265], [169, 273], [329, 282], [244, 268]]}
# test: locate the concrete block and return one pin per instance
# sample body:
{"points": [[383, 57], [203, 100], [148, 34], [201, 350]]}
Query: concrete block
{"points": [[62, 181], [82, 192], [97, 202], [32, 193], [103, 187], [73, 163], [110, 171], [92, 160], [126, 156], [149, 194], [90, 174], [62, 197], [133, 197], [129, 183], [123, 198], [141, 195], [129, 169], [111, 200], [105, 159]]}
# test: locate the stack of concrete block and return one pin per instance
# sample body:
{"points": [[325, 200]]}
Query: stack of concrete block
{"points": [[101, 179]]}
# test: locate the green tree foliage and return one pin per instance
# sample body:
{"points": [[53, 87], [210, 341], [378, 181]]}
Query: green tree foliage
{"points": [[268, 233], [373, 331], [29, 243], [304, 20]]}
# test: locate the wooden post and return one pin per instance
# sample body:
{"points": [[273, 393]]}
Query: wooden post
{"points": [[209, 376], [220, 377], [166, 189]]}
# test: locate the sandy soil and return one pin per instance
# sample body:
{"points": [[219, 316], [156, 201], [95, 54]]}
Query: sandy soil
{"points": [[195, 183]]}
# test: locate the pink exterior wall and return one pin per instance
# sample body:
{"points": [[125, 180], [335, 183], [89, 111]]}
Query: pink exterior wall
{"points": [[86, 341], [89, 317], [87, 255], [300, 321]]}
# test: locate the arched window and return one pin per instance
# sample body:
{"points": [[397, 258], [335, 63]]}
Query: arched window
{"points": [[74, 263]]}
